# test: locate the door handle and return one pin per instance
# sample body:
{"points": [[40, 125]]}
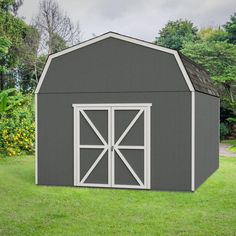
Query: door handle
{"points": [[112, 148]]}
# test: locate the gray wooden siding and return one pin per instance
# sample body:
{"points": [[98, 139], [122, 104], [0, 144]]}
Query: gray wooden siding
{"points": [[170, 136], [207, 137], [113, 65]]}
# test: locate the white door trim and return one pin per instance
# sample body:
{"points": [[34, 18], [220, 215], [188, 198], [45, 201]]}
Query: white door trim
{"points": [[115, 105], [110, 144]]}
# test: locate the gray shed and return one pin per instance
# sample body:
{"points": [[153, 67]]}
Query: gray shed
{"points": [[119, 112]]}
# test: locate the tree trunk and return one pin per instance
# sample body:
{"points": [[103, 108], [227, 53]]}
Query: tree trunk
{"points": [[231, 95], [1, 81], [36, 72]]}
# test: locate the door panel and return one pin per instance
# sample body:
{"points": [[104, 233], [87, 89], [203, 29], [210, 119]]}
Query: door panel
{"points": [[132, 138], [100, 120], [99, 175], [122, 175], [112, 146], [136, 134], [135, 158], [87, 134], [92, 138], [122, 120], [87, 157]]}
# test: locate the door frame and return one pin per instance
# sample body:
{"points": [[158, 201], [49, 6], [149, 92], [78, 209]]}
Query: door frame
{"points": [[110, 108]]}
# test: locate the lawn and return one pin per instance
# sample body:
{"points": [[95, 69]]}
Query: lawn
{"points": [[26, 209], [233, 143]]}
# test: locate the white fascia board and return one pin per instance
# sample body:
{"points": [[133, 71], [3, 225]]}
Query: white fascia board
{"points": [[45, 69], [121, 37], [184, 72]]}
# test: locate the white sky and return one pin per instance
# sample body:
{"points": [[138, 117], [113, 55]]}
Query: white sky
{"points": [[138, 18]]}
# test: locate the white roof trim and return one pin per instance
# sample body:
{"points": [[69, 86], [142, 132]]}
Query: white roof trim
{"points": [[121, 37]]}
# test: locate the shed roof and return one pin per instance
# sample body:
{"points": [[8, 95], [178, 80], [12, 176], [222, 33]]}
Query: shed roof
{"points": [[199, 77], [195, 76]]}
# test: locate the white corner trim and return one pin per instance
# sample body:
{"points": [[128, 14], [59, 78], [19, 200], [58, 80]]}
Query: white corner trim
{"points": [[36, 138], [184, 72], [193, 141], [121, 37]]}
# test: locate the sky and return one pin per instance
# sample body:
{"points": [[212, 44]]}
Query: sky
{"points": [[137, 18]]}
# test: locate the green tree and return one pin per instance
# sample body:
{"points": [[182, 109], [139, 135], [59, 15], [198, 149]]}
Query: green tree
{"points": [[4, 49], [230, 28], [58, 43], [176, 33], [12, 31], [219, 58], [10, 5], [31, 63], [212, 34]]}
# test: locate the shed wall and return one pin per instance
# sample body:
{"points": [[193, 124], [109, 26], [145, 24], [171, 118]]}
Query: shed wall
{"points": [[170, 136], [113, 65], [207, 137]]}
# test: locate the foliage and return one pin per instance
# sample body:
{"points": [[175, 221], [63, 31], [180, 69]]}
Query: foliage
{"points": [[29, 73], [176, 33], [31, 63], [219, 58], [4, 49], [211, 34], [10, 5], [4, 106], [224, 131], [230, 28], [12, 31], [58, 43], [16, 123], [232, 145]]}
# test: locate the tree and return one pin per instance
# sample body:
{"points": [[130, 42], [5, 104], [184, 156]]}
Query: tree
{"points": [[4, 49], [230, 28], [12, 31], [31, 64], [176, 33], [56, 28], [219, 58], [11, 5], [212, 34]]}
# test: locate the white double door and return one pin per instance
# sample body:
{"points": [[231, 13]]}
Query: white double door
{"points": [[112, 145]]}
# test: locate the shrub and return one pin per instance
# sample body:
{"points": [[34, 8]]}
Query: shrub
{"points": [[224, 131], [17, 125]]}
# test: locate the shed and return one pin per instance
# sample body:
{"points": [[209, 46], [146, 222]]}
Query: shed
{"points": [[119, 112]]}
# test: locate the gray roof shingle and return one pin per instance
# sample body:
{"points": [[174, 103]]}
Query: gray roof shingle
{"points": [[199, 77]]}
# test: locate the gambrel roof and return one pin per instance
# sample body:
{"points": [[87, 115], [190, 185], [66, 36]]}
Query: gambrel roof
{"points": [[197, 79]]}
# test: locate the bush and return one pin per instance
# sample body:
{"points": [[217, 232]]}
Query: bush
{"points": [[17, 125], [224, 131]]}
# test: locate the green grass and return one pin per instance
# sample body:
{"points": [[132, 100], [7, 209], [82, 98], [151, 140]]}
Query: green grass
{"points": [[233, 143], [26, 209]]}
